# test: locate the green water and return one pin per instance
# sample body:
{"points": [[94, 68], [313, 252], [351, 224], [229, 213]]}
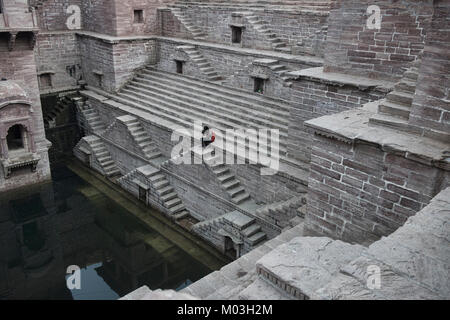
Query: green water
{"points": [[76, 220]]}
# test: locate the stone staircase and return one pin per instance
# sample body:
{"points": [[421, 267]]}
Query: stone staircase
{"points": [[93, 121], [102, 161], [183, 101], [141, 137], [398, 102], [50, 118], [203, 65], [160, 188], [282, 213], [279, 70], [263, 28], [304, 5], [165, 191], [188, 23], [227, 180], [236, 225]]}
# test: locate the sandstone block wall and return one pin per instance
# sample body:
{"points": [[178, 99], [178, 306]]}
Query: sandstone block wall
{"points": [[114, 63], [266, 189], [59, 55], [301, 30], [385, 53], [313, 99], [359, 193], [233, 66]]}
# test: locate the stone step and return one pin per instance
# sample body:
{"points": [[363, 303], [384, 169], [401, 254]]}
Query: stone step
{"points": [[197, 111], [157, 177], [162, 191], [257, 238], [153, 155], [230, 184], [394, 109], [190, 115], [220, 171], [236, 191], [169, 196], [166, 114], [316, 261], [411, 75], [226, 177], [252, 230], [241, 198], [173, 202], [402, 98], [261, 289], [406, 86], [177, 208], [161, 184], [222, 91]]}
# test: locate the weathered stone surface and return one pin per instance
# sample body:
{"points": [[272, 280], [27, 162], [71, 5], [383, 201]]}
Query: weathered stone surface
{"points": [[144, 293], [307, 263], [260, 289]]}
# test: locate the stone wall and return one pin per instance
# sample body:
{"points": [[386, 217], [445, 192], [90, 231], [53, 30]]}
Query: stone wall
{"points": [[315, 98], [53, 15], [125, 16], [232, 65], [114, 62], [359, 193], [19, 65], [266, 189], [385, 53], [57, 54], [303, 31]]}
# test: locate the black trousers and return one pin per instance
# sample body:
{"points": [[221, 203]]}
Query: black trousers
{"points": [[205, 143]]}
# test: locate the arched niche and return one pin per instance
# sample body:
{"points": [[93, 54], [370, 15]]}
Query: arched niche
{"points": [[16, 130]]}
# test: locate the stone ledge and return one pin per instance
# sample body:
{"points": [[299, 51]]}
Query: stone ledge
{"points": [[340, 79], [261, 54], [353, 126], [306, 264]]}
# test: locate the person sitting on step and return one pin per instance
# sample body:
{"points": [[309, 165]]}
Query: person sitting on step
{"points": [[208, 136]]}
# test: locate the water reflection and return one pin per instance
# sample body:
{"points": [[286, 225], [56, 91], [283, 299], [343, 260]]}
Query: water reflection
{"points": [[45, 229]]}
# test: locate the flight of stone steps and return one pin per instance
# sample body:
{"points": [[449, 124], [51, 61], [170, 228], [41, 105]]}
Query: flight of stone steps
{"points": [[93, 120], [200, 61], [398, 102], [283, 213], [141, 137], [102, 161], [165, 191], [50, 118], [280, 70], [189, 24], [228, 181], [183, 101], [160, 187], [235, 223], [313, 6], [262, 27]]}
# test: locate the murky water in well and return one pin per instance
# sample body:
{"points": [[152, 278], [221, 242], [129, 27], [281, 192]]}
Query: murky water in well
{"points": [[45, 229]]}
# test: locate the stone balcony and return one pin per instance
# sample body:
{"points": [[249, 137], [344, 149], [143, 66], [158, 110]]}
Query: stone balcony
{"points": [[18, 23], [19, 160]]}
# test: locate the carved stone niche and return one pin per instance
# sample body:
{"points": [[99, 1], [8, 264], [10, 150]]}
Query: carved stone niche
{"points": [[17, 145]]}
